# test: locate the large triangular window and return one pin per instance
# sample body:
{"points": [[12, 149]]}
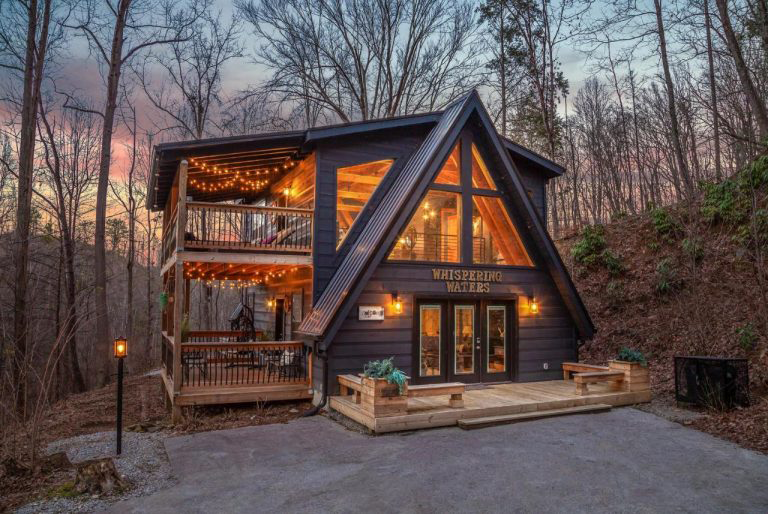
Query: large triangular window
{"points": [[434, 232]]}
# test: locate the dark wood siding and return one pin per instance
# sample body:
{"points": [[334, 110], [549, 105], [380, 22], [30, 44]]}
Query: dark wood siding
{"points": [[548, 337], [535, 182], [333, 154]]}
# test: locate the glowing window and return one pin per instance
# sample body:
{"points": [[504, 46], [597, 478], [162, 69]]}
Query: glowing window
{"points": [[450, 173], [354, 186], [433, 232], [481, 177], [494, 237]]}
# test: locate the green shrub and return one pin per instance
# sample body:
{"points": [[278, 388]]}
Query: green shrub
{"points": [[666, 277], [666, 227], [588, 249], [630, 355], [591, 250], [729, 201], [612, 262], [693, 248], [747, 337], [385, 368]]}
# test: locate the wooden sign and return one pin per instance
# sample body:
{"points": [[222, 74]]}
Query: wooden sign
{"points": [[370, 313], [466, 280]]}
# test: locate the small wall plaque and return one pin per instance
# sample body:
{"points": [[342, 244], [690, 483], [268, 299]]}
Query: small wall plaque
{"points": [[370, 313]]}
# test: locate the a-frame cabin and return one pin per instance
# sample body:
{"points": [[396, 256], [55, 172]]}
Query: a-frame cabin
{"points": [[420, 237]]}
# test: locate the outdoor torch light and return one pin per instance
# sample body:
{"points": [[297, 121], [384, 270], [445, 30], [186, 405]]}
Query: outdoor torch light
{"points": [[120, 349], [533, 305]]}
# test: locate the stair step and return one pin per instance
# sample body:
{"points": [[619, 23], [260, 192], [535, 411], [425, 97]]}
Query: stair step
{"points": [[469, 424]]}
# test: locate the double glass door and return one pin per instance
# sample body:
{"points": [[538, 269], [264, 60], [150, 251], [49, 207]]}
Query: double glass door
{"points": [[464, 341]]}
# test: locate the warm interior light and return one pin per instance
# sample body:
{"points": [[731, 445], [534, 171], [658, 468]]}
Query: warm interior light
{"points": [[121, 347], [534, 305]]}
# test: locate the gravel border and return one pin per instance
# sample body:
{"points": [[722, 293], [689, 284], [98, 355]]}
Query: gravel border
{"points": [[144, 463]]}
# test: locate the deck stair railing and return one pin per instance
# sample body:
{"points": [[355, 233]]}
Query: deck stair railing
{"points": [[207, 364], [245, 227]]}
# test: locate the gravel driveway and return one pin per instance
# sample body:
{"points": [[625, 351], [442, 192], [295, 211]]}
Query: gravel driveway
{"points": [[620, 461]]}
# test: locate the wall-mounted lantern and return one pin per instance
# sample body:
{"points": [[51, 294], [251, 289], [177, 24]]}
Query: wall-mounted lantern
{"points": [[533, 305], [271, 303], [397, 303]]}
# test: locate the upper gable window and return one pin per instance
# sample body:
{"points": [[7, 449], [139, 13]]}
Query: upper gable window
{"points": [[449, 174], [481, 177], [434, 232], [354, 186]]}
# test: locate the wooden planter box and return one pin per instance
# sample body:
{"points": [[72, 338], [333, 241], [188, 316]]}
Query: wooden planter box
{"points": [[635, 375], [381, 398]]}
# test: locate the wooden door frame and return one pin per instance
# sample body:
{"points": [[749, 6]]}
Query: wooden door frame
{"points": [[446, 302]]}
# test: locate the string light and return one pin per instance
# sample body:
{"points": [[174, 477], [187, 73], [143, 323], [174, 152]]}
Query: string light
{"points": [[224, 280], [237, 180]]}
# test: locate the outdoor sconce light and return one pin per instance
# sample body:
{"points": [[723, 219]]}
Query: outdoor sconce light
{"points": [[397, 303], [533, 305], [270, 303], [121, 348], [287, 191]]}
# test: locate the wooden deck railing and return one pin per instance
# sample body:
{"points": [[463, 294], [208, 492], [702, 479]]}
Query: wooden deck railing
{"points": [[166, 355], [244, 227], [211, 364], [220, 336], [169, 238]]}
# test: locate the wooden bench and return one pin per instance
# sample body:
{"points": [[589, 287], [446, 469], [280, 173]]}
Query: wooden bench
{"points": [[351, 382], [578, 367], [455, 389], [594, 377]]}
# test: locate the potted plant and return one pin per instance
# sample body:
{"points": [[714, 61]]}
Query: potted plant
{"points": [[385, 388], [635, 367]]}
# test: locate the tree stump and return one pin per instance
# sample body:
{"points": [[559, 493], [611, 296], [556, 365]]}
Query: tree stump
{"points": [[98, 476]]}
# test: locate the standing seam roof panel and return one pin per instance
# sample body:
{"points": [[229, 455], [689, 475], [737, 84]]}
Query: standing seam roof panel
{"points": [[353, 264]]}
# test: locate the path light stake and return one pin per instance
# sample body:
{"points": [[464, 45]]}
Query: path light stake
{"points": [[120, 350]]}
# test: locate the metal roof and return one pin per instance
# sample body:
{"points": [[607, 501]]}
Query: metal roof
{"points": [[289, 144], [348, 273], [377, 236]]}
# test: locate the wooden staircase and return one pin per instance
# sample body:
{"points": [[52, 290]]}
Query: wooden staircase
{"points": [[472, 423]]}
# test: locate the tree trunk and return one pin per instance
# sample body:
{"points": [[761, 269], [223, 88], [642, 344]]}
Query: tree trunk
{"points": [[677, 147], [713, 93], [100, 261], [750, 91], [34, 61]]}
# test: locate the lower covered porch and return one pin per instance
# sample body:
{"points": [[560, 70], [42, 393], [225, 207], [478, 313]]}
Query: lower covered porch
{"points": [[485, 405]]}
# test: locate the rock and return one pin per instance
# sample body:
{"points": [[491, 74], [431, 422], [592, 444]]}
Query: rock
{"points": [[53, 462], [98, 476], [293, 411]]}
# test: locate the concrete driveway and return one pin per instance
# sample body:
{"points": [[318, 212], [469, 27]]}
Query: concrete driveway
{"points": [[621, 461]]}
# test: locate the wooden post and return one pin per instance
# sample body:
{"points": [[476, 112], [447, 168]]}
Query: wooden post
{"points": [[179, 299], [181, 213], [178, 317]]}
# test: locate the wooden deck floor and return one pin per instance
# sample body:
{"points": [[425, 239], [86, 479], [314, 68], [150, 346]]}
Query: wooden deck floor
{"points": [[494, 400]]}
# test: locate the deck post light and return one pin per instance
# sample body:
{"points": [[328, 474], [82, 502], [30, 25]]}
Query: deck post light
{"points": [[120, 349]]}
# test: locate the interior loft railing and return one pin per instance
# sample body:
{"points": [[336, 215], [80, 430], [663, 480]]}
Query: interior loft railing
{"points": [[244, 227], [211, 364]]}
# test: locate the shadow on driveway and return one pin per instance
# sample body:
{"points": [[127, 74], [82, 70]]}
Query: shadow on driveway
{"points": [[620, 461]]}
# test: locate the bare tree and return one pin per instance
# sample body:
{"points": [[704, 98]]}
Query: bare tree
{"points": [[364, 59], [190, 75], [27, 31], [116, 35]]}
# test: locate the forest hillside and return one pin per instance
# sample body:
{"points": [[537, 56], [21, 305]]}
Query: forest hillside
{"points": [[689, 279]]}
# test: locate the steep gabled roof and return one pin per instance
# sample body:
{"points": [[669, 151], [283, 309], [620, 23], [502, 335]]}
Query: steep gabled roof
{"points": [[384, 225]]}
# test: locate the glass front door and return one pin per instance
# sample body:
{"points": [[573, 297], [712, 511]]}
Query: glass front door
{"points": [[464, 341]]}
